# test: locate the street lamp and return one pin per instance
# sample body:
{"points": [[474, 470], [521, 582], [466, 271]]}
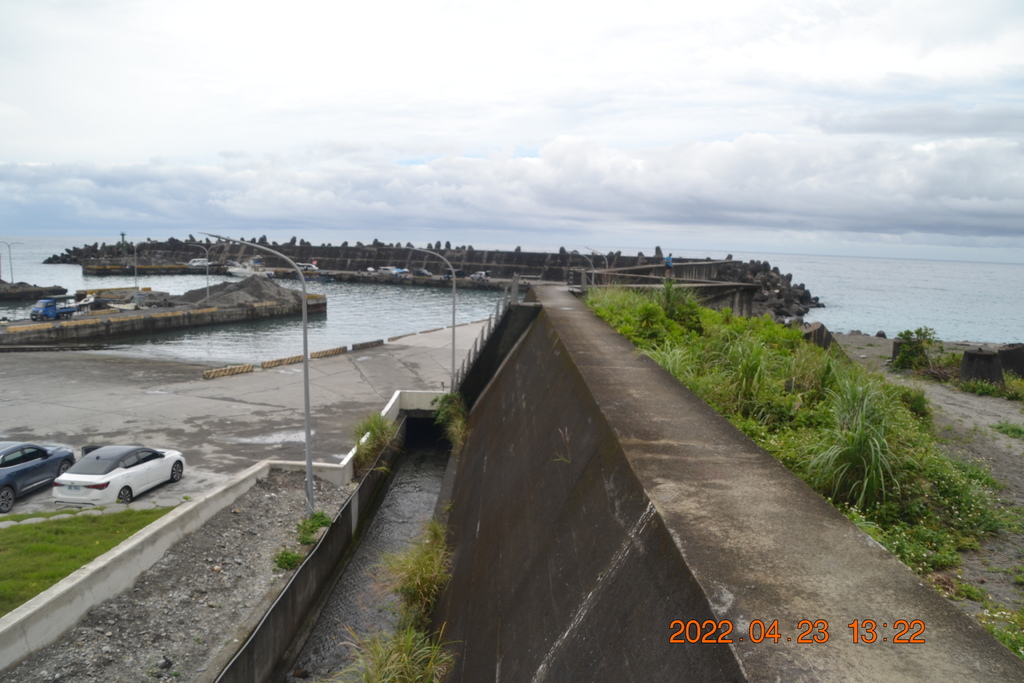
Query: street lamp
{"points": [[10, 261], [604, 280], [593, 277], [305, 360], [452, 271], [204, 248]]}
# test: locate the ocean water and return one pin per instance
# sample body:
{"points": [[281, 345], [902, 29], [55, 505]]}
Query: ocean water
{"points": [[961, 301]]}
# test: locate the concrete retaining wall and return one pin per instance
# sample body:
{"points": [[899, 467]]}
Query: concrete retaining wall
{"points": [[44, 619], [599, 509]]}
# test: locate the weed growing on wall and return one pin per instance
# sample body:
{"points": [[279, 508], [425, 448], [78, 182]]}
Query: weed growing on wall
{"points": [[861, 442], [382, 432], [450, 413]]}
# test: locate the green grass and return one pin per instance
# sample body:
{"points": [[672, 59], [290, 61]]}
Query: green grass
{"points": [[861, 442], [1010, 429], [34, 557], [309, 526], [417, 575], [382, 432], [406, 656], [287, 559]]}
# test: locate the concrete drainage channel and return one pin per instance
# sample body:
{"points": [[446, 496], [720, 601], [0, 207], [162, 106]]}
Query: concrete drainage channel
{"points": [[42, 621]]}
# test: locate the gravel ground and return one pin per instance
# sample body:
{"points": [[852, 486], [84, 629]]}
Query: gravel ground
{"points": [[184, 617]]}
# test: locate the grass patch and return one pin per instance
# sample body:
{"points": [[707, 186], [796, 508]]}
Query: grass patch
{"points": [[407, 655], [33, 557], [1010, 429], [450, 412], [309, 526], [416, 575], [861, 442], [381, 431], [287, 559]]}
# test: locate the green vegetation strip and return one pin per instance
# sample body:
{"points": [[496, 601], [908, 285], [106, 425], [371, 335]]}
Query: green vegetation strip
{"points": [[34, 557], [861, 442]]}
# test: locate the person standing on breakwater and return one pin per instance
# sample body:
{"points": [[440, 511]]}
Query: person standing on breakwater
{"points": [[668, 266]]}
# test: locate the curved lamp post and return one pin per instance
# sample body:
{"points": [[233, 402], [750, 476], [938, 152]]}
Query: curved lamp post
{"points": [[592, 276], [604, 280], [305, 361], [10, 261], [452, 271], [206, 249]]}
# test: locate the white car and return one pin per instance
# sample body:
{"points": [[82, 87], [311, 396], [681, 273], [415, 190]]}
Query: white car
{"points": [[116, 474], [307, 266], [481, 276]]}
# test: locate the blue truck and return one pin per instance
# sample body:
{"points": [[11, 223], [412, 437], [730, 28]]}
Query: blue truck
{"points": [[53, 309]]}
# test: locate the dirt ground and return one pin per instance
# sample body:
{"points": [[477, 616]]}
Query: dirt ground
{"points": [[963, 421]]}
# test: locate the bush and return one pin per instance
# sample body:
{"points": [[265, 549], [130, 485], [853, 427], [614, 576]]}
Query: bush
{"points": [[405, 656], [916, 349]]}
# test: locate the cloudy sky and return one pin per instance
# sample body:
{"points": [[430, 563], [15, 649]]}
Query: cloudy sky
{"points": [[863, 127]]}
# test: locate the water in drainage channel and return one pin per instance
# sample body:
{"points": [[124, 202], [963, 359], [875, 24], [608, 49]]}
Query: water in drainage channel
{"points": [[357, 601]]}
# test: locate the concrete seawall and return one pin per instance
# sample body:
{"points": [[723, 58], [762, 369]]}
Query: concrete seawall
{"points": [[599, 511], [95, 326]]}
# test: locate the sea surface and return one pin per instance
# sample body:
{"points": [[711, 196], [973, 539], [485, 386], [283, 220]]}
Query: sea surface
{"points": [[960, 301]]}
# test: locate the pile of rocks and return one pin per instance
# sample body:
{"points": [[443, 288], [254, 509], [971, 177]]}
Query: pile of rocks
{"points": [[778, 297]]}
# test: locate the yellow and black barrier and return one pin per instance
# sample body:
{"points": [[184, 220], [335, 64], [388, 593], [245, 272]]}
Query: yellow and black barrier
{"points": [[226, 371]]}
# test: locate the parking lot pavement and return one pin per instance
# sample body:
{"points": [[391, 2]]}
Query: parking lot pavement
{"points": [[222, 426]]}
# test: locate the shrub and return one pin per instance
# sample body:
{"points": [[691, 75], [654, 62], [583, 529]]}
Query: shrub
{"points": [[382, 432], [916, 348]]}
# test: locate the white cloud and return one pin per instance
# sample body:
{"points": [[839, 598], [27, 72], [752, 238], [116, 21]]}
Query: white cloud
{"points": [[821, 117]]}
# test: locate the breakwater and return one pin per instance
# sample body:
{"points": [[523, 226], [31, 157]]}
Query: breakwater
{"points": [[773, 292], [606, 524], [106, 325]]}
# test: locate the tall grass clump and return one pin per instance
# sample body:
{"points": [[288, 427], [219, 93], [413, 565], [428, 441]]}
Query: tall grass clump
{"points": [[450, 413], [381, 431], [405, 656], [853, 462], [416, 575], [864, 444]]}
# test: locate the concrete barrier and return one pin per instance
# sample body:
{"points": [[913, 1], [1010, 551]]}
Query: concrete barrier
{"points": [[44, 619], [227, 371], [607, 525]]}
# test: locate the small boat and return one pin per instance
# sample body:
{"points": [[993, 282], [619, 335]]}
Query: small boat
{"points": [[248, 269]]}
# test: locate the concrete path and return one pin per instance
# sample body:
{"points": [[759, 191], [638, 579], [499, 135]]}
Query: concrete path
{"points": [[222, 425]]}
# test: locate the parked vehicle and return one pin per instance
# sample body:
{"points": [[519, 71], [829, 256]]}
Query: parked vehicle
{"points": [[422, 272], [199, 263], [307, 266], [389, 270], [481, 276], [26, 466], [116, 474], [53, 309], [458, 273]]}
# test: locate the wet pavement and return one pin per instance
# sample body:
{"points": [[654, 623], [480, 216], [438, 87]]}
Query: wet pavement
{"points": [[224, 425]]}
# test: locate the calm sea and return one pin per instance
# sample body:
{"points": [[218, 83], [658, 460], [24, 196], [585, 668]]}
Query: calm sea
{"points": [[961, 301]]}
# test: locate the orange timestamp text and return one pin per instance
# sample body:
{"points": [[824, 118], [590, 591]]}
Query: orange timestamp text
{"points": [[711, 631]]}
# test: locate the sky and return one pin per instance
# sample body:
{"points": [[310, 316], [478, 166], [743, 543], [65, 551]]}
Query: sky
{"points": [[862, 128]]}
